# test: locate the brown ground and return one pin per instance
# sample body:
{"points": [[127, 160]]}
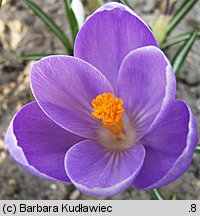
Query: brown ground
{"points": [[21, 33]]}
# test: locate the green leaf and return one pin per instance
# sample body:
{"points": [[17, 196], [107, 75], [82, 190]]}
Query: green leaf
{"points": [[176, 40], [159, 28], [2, 61], [0, 3], [157, 194], [197, 150], [71, 18], [180, 13], [125, 2], [51, 24], [33, 56], [182, 53], [173, 197]]}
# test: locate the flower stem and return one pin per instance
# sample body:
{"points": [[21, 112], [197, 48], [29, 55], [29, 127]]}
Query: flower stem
{"points": [[157, 194]]}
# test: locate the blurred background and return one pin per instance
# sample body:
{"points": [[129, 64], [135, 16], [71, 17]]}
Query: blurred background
{"points": [[22, 33]]}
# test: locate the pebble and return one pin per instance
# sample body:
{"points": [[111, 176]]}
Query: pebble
{"points": [[198, 184], [74, 195], [12, 182], [53, 186], [12, 187], [2, 146], [2, 156]]}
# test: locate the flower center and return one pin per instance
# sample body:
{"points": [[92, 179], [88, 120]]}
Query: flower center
{"points": [[109, 109]]}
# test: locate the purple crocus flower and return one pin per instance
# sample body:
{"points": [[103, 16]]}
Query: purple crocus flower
{"points": [[106, 118]]}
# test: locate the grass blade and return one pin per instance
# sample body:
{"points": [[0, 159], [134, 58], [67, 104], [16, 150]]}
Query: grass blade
{"points": [[71, 19], [2, 61], [182, 53], [125, 2], [157, 195], [197, 150], [180, 13], [176, 40], [51, 24], [173, 197], [33, 56]]}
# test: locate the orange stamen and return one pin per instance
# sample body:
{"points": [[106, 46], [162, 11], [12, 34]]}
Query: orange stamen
{"points": [[110, 110]]}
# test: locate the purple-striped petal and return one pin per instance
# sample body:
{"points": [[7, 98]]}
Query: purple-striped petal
{"points": [[109, 35], [147, 85], [38, 144], [64, 88], [102, 172], [169, 148]]}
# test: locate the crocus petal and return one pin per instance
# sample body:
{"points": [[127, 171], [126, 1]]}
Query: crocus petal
{"points": [[109, 35], [38, 144], [169, 148], [64, 88], [99, 171], [147, 85]]}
